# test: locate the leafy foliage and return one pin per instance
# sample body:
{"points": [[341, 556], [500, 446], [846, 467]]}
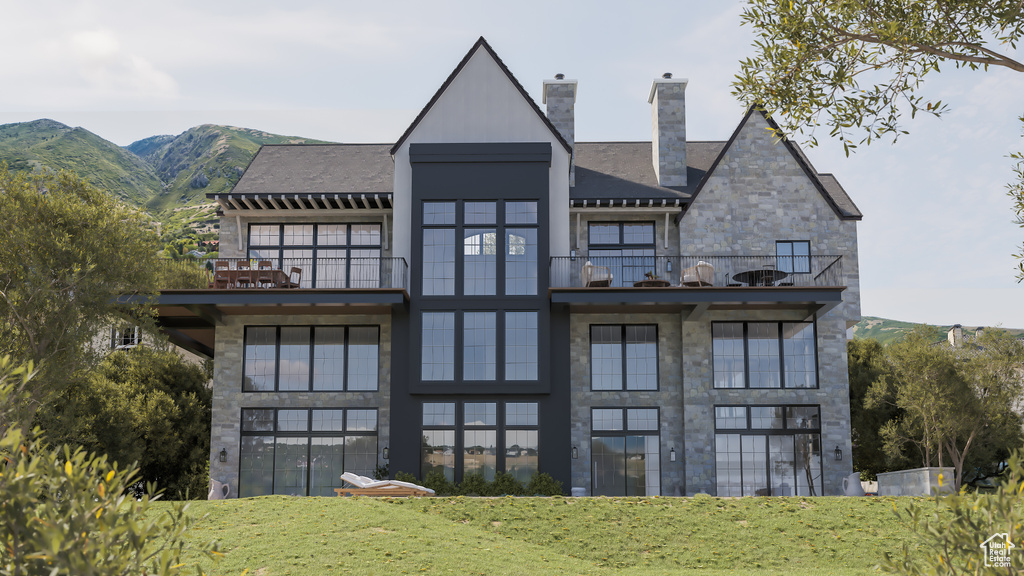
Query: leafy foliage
{"points": [[145, 406], [69, 512], [866, 360], [952, 403], [951, 528], [474, 484], [66, 250]]}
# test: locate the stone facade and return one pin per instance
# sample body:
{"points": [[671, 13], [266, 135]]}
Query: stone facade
{"points": [[668, 132], [560, 98], [229, 399]]}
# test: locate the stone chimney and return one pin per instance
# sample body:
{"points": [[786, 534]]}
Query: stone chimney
{"points": [[560, 98], [955, 336], [668, 133]]}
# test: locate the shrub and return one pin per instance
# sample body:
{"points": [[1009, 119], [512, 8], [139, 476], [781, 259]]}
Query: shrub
{"points": [[437, 482], [406, 477], [69, 512], [543, 485], [951, 528], [506, 484], [474, 485]]}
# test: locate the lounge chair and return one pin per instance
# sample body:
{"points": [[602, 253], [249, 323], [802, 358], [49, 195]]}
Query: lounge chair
{"points": [[369, 487], [596, 275], [703, 274]]}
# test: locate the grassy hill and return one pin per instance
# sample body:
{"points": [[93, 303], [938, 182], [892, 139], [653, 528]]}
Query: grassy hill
{"points": [[886, 331], [46, 144], [201, 160], [700, 536]]}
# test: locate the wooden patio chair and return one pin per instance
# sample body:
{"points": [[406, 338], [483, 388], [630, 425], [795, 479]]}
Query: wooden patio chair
{"points": [[294, 278], [244, 276], [265, 276], [221, 276]]}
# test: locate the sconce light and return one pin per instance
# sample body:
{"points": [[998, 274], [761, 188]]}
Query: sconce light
{"points": [[223, 457], [572, 255], [672, 454], [838, 454], [668, 265], [575, 453], [386, 453]]}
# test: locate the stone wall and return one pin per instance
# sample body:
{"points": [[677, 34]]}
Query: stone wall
{"points": [[916, 482], [228, 398]]}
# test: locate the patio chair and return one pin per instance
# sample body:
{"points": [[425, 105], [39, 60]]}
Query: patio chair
{"points": [[369, 487], [221, 276], [265, 277], [596, 275], [294, 278], [702, 274], [244, 276]]}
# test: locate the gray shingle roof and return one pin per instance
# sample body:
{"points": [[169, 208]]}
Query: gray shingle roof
{"points": [[319, 169], [839, 196], [624, 170]]}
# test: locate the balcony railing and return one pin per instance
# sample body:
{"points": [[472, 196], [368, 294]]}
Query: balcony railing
{"points": [[287, 273], [696, 271]]}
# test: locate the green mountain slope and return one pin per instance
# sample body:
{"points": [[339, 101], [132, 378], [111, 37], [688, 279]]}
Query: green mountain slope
{"points": [[887, 331], [201, 160], [46, 144]]}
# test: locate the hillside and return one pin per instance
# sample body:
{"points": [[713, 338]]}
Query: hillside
{"points": [[48, 144], [886, 331], [201, 160]]}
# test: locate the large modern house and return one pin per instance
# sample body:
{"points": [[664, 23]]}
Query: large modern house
{"points": [[488, 295]]}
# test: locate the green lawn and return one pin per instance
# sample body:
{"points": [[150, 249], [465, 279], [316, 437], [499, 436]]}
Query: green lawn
{"points": [[273, 536]]}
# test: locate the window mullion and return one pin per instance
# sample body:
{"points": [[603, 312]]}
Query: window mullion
{"points": [[782, 356], [624, 362]]}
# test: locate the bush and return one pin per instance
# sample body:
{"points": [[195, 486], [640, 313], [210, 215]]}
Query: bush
{"points": [[406, 477], [951, 528], [506, 485], [474, 485], [69, 512], [437, 482], [543, 485]]}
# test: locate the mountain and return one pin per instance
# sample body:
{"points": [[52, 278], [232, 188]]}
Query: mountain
{"points": [[201, 160], [49, 144], [887, 331]]}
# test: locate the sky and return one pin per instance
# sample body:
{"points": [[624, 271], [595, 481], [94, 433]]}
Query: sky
{"points": [[937, 237]]}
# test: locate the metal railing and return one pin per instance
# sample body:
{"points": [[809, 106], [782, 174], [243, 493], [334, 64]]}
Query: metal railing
{"points": [[286, 273], [716, 271]]}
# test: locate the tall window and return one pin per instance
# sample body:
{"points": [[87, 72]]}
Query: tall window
{"points": [[311, 358], [625, 452], [498, 253], [625, 247], [462, 438], [479, 346], [330, 255], [768, 450], [624, 357], [304, 452], [793, 256], [764, 355]]}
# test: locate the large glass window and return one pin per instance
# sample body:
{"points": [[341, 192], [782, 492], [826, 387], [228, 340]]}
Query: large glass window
{"points": [[479, 335], [474, 356], [768, 450], [462, 438], [304, 452], [438, 362], [764, 355], [330, 255], [317, 358], [625, 453], [627, 248], [624, 357], [520, 345], [793, 256], [487, 229]]}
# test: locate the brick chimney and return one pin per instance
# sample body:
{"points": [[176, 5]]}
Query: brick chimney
{"points": [[668, 131], [560, 98], [955, 336]]}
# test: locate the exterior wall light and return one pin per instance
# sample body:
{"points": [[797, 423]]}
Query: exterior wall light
{"points": [[672, 454], [575, 453], [386, 453], [223, 457], [838, 454]]}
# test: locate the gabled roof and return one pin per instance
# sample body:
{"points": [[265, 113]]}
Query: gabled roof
{"points": [[481, 43], [832, 192], [624, 171], [318, 169]]}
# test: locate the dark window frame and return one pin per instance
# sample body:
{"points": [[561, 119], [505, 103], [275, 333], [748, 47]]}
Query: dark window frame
{"points": [[309, 433], [311, 357], [500, 427], [459, 346], [625, 359], [281, 247], [624, 433], [782, 355], [793, 257]]}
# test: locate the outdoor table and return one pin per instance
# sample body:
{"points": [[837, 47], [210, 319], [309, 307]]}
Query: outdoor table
{"points": [[760, 277]]}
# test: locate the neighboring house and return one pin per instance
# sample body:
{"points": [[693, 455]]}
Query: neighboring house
{"points": [[486, 294]]}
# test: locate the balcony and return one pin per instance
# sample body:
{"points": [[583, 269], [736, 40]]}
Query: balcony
{"points": [[698, 283], [286, 274]]}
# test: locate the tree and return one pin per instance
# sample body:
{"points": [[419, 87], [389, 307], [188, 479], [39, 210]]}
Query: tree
{"points": [[66, 250], [858, 66], [69, 512], [145, 406], [957, 405], [866, 359]]}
